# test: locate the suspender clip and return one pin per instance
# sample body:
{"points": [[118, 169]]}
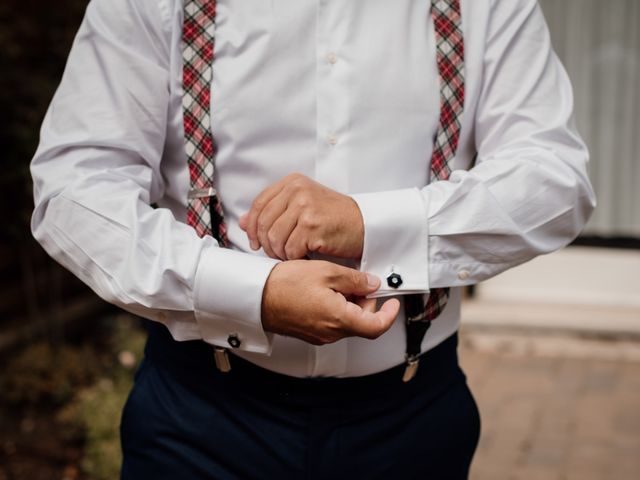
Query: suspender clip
{"points": [[222, 359], [202, 192], [411, 368]]}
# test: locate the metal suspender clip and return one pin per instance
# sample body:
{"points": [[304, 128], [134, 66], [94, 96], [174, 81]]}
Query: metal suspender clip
{"points": [[222, 359], [202, 192]]}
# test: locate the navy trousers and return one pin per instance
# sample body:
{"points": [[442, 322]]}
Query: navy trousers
{"points": [[186, 420]]}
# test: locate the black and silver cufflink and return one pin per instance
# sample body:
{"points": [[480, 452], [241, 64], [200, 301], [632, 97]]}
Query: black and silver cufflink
{"points": [[233, 340], [394, 280]]}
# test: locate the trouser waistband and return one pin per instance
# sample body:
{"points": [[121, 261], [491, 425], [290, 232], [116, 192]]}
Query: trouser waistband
{"points": [[193, 362]]}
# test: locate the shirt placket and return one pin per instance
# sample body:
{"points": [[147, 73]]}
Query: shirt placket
{"points": [[332, 138]]}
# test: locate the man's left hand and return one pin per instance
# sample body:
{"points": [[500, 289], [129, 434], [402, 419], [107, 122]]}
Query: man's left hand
{"points": [[297, 215]]}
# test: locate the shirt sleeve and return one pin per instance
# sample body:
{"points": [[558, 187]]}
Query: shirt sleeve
{"points": [[97, 171], [528, 193]]}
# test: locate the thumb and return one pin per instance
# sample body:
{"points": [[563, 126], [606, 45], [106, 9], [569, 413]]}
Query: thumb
{"points": [[370, 324], [242, 221], [353, 282]]}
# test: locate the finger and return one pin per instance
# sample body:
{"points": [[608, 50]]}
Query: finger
{"points": [[367, 304], [295, 247], [242, 221], [270, 213], [267, 249], [352, 282], [364, 323], [257, 206], [280, 233]]}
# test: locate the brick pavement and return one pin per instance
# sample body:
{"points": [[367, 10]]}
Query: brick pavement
{"points": [[556, 415]]}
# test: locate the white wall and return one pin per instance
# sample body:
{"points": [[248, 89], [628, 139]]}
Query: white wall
{"points": [[599, 44]]}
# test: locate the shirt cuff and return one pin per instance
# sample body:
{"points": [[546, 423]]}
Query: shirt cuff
{"points": [[228, 299], [396, 240]]}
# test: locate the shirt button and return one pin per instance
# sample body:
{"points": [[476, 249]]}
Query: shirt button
{"points": [[332, 58], [332, 139], [463, 274]]}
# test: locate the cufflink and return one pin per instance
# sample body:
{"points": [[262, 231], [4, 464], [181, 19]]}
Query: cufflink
{"points": [[394, 280], [233, 340]]}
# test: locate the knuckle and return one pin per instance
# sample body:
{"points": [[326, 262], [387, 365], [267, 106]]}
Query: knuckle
{"points": [[332, 271], [292, 251], [273, 238], [298, 184], [354, 277], [295, 255], [316, 245], [307, 220], [262, 226], [302, 200], [289, 252], [334, 317]]}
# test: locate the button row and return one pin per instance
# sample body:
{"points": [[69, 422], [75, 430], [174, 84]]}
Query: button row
{"points": [[332, 58]]}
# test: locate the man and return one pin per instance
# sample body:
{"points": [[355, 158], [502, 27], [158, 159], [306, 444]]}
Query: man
{"points": [[324, 114]]}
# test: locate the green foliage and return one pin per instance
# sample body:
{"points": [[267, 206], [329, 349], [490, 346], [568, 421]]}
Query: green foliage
{"points": [[96, 410], [76, 392], [42, 373]]}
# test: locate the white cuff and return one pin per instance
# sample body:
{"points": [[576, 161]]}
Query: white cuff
{"points": [[228, 298], [396, 239]]}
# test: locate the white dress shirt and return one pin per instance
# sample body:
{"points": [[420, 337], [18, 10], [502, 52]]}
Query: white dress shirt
{"points": [[343, 91]]}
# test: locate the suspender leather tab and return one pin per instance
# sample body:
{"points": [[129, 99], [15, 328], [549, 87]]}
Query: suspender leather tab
{"points": [[411, 368], [222, 359]]}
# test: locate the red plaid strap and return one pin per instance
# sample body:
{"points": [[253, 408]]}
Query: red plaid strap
{"points": [[450, 58], [204, 211], [447, 18]]}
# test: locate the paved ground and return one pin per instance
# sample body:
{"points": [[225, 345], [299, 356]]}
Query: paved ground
{"points": [[554, 408]]}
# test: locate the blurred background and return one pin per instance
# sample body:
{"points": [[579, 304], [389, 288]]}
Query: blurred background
{"points": [[551, 348]]}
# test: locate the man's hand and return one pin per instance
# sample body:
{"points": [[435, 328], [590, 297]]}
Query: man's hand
{"points": [[321, 302], [296, 215]]}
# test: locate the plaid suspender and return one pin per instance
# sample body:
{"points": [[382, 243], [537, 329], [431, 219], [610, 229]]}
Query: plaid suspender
{"points": [[204, 212], [420, 310]]}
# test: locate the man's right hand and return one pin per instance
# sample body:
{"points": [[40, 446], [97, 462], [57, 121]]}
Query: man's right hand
{"points": [[321, 302]]}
